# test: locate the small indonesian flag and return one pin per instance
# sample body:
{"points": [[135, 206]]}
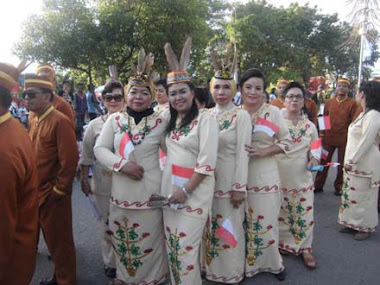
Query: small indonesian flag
{"points": [[324, 155], [324, 123], [180, 175], [162, 159], [226, 233], [265, 126], [316, 148], [126, 146], [333, 164]]}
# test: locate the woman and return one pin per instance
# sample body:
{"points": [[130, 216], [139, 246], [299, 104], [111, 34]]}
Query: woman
{"points": [[358, 209], [225, 261], [270, 136], [100, 187], [128, 146], [161, 96], [297, 210], [188, 178]]}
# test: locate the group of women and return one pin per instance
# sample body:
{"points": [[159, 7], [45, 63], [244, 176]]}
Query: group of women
{"points": [[226, 168]]}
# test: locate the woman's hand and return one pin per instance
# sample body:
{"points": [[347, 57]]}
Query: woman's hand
{"points": [[313, 162], [348, 167], [237, 198], [86, 186], [255, 151], [178, 196], [133, 170]]}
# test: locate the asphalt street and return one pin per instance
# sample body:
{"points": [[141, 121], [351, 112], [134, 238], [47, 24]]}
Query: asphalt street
{"points": [[341, 259]]}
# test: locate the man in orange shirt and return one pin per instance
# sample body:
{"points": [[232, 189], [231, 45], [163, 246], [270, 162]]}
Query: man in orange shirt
{"points": [[18, 195], [55, 147], [341, 110]]}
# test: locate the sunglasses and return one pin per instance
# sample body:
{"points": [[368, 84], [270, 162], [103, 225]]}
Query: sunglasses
{"points": [[115, 97], [30, 94]]}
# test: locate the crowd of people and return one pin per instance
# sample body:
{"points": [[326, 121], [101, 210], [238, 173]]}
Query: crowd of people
{"points": [[185, 191]]}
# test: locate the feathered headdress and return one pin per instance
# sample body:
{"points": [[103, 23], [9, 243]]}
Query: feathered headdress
{"points": [[223, 67], [178, 72]]}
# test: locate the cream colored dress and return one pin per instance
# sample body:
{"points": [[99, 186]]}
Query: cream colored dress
{"points": [[264, 197], [297, 209], [136, 229], [193, 147], [101, 183], [223, 262], [358, 209]]}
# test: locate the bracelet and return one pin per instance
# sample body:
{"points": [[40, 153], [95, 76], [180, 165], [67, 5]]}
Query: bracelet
{"points": [[187, 194]]}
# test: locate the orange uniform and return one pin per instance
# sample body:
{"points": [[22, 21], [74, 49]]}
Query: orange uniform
{"points": [[18, 204], [57, 156], [278, 102], [341, 113]]}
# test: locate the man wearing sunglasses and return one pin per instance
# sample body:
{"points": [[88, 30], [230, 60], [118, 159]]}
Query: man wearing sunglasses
{"points": [[55, 148], [18, 195]]}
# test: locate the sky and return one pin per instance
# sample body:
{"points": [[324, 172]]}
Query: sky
{"points": [[15, 13]]}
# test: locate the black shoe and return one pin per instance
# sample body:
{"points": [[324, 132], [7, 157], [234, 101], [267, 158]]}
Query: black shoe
{"points": [[110, 271], [280, 276], [338, 193], [50, 281], [318, 190]]}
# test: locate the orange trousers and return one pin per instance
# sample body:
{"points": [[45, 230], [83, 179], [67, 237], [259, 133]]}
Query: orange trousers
{"points": [[55, 218], [321, 177]]}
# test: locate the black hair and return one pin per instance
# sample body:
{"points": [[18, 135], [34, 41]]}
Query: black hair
{"points": [[253, 72], [66, 81], [298, 85], [5, 97], [371, 90], [111, 86], [162, 81], [202, 94], [191, 115]]}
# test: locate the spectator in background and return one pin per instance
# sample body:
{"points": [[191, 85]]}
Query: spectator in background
{"points": [[92, 102], [66, 91], [202, 97], [80, 109], [272, 94], [162, 98], [237, 98]]}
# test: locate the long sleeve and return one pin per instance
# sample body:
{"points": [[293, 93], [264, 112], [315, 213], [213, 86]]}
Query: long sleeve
{"points": [[243, 133], [67, 155], [208, 145], [282, 136], [104, 148], [370, 131], [88, 157]]}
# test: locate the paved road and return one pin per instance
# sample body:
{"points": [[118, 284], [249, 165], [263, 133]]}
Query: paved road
{"points": [[341, 259]]}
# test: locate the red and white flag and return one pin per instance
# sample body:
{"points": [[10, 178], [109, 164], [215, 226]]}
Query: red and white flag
{"points": [[324, 123], [227, 233], [324, 155], [126, 146], [333, 164], [162, 159], [180, 175], [265, 126], [316, 148]]}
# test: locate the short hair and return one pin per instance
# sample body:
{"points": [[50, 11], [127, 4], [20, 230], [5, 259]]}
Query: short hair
{"points": [[253, 72], [295, 84], [109, 87], [5, 98], [202, 94], [162, 81], [371, 90]]}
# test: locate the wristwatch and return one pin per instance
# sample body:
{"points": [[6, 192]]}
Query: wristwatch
{"points": [[187, 194]]}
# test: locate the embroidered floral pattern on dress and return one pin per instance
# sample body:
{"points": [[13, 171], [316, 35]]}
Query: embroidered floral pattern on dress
{"points": [[298, 131], [296, 210], [253, 235], [346, 202], [177, 133], [127, 247], [175, 251]]}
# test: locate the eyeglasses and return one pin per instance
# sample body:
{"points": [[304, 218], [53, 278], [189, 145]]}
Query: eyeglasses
{"points": [[292, 97], [30, 94], [115, 97]]}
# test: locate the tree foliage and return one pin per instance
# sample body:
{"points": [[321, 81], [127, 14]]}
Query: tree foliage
{"points": [[86, 36]]}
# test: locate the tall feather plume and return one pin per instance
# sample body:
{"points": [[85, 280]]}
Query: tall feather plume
{"points": [[171, 57], [215, 60], [227, 57], [112, 70], [149, 60], [141, 60], [185, 56], [155, 76], [235, 61]]}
